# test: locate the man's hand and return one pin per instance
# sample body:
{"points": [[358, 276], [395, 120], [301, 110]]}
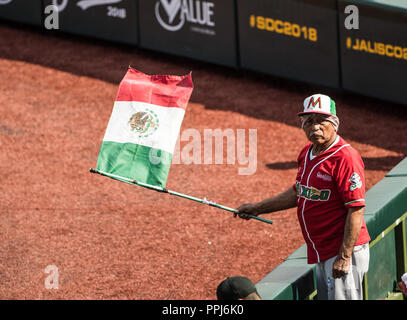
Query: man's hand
{"points": [[341, 267], [353, 223], [245, 210], [285, 200]]}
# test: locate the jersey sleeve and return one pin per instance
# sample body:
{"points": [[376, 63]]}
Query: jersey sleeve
{"points": [[350, 179]]}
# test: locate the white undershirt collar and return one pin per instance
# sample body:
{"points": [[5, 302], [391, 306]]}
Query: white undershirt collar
{"points": [[311, 156]]}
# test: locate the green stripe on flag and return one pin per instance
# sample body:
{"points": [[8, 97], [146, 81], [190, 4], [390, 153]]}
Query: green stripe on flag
{"points": [[136, 162]]}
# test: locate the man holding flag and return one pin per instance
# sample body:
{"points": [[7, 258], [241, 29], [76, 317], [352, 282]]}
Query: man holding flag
{"points": [[142, 132], [329, 194]]}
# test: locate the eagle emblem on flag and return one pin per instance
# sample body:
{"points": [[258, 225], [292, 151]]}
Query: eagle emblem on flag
{"points": [[144, 123]]}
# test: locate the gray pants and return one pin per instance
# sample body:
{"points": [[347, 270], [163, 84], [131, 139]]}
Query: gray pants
{"points": [[348, 287]]}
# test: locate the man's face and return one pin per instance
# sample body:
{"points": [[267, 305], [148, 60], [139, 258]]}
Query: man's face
{"points": [[317, 129]]}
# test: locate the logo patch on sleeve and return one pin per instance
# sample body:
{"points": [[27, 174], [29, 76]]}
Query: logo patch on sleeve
{"points": [[355, 181]]}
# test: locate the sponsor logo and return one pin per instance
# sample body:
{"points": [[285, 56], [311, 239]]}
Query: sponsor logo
{"points": [[355, 181], [144, 123], [390, 50], [172, 14], [311, 193], [324, 176], [5, 1], [85, 4], [114, 12], [60, 5], [283, 27]]}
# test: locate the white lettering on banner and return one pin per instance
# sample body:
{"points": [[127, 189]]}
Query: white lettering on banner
{"points": [[85, 4], [193, 11], [5, 1], [60, 5], [116, 12], [204, 31]]}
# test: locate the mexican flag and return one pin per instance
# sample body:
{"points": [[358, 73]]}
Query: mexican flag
{"points": [[144, 125]]}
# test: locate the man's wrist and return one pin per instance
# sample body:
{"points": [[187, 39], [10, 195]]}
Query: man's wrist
{"points": [[263, 207], [258, 208], [345, 254]]}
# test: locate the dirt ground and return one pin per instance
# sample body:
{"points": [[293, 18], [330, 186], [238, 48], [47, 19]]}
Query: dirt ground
{"points": [[110, 240]]}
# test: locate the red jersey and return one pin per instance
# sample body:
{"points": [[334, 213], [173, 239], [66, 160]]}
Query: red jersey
{"points": [[327, 186]]}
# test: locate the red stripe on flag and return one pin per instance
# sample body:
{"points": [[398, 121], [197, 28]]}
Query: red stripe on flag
{"points": [[161, 90]]}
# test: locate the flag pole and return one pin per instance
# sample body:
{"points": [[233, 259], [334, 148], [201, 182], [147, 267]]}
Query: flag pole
{"points": [[160, 189]]}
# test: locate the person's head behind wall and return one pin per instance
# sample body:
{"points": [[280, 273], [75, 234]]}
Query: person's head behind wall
{"points": [[237, 288]]}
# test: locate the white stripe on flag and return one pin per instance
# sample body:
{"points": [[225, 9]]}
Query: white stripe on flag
{"points": [[163, 138]]}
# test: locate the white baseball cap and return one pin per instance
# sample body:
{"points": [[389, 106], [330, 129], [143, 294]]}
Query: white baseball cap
{"points": [[319, 103]]}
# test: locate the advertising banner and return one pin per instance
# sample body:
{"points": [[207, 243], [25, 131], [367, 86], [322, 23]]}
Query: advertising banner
{"points": [[114, 20], [374, 50], [198, 29], [295, 39], [21, 11]]}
